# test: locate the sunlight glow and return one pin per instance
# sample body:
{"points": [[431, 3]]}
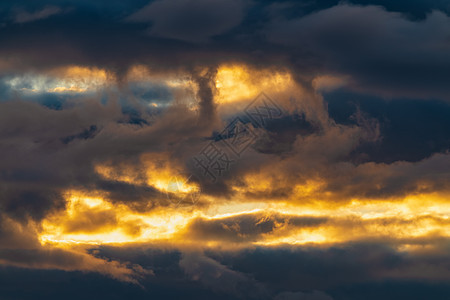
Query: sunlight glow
{"points": [[240, 82], [95, 220]]}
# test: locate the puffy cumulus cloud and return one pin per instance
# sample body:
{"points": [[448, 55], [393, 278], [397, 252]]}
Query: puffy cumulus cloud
{"points": [[190, 20]]}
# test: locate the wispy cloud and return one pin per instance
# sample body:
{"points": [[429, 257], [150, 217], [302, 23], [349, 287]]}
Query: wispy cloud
{"points": [[23, 16]]}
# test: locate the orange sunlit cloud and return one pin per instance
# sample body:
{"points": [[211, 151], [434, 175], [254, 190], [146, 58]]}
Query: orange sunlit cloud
{"points": [[94, 220]]}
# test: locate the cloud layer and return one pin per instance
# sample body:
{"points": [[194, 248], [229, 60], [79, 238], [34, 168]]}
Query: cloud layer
{"points": [[136, 146]]}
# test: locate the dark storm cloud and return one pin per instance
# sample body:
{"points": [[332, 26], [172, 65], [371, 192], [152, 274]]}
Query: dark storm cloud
{"points": [[219, 278], [382, 51], [322, 269], [21, 284], [340, 272], [105, 38], [411, 130], [189, 20], [281, 133]]}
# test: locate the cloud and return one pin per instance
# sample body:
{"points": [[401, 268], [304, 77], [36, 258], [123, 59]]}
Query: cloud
{"points": [[248, 227], [20, 247], [58, 259], [190, 20], [370, 45], [410, 130], [218, 277], [315, 295], [92, 106], [324, 269], [312, 42], [44, 13]]}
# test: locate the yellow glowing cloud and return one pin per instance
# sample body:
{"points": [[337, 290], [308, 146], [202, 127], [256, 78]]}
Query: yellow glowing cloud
{"points": [[240, 82], [91, 218], [158, 173], [65, 89], [77, 79], [94, 220], [142, 73], [121, 226], [234, 83]]}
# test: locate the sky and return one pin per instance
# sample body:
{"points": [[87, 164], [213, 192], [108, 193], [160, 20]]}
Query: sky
{"points": [[225, 149]]}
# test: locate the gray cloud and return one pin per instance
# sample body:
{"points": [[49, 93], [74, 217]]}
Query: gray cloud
{"points": [[220, 278], [23, 16], [382, 51], [190, 20], [315, 295], [248, 228], [20, 247]]}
